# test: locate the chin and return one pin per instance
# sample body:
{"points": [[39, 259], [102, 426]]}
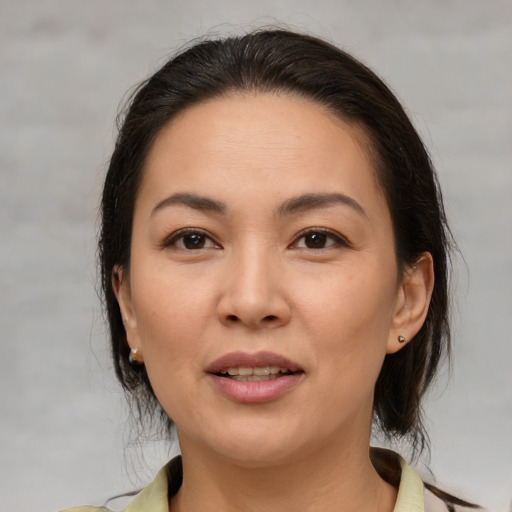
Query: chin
{"points": [[259, 456], [260, 444]]}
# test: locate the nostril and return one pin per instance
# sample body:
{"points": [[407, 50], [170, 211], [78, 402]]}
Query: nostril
{"points": [[265, 320]]}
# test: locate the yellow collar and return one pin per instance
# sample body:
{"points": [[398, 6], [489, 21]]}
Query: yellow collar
{"points": [[154, 498], [410, 491]]}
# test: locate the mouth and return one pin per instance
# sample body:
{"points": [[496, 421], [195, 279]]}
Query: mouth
{"points": [[254, 378], [253, 374], [262, 365]]}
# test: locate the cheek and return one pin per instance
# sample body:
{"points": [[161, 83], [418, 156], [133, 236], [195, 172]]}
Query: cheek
{"points": [[167, 301], [349, 315], [172, 314], [351, 300], [170, 324]]}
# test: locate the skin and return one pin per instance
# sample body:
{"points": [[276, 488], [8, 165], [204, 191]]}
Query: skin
{"points": [[256, 283]]}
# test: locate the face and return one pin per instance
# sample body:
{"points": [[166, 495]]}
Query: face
{"points": [[263, 292]]}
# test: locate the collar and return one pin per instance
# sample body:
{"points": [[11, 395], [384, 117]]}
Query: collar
{"points": [[154, 497], [392, 467]]}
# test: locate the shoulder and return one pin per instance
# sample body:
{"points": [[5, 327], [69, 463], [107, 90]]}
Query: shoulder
{"points": [[434, 503], [154, 497], [86, 509], [414, 495], [439, 500]]}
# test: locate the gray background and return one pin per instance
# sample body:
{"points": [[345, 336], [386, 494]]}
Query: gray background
{"points": [[64, 68]]}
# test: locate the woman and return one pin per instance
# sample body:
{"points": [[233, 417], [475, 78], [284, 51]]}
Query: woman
{"points": [[274, 258]]}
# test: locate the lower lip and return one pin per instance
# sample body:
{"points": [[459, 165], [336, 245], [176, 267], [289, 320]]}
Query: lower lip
{"points": [[256, 392]]}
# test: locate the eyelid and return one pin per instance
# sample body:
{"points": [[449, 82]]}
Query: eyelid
{"points": [[170, 241], [340, 240], [337, 237]]}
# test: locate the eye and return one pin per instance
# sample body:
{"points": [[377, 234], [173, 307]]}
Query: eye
{"points": [[318, 239], [190, 240]]}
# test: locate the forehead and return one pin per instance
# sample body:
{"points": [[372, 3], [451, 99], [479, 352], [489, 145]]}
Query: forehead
{"points": [[246, 141], [282, 117]]}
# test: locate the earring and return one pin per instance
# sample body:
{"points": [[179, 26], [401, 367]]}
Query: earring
{"points": [[401, 339], [134, 357]]}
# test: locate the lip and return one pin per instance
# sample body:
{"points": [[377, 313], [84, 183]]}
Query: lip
{"points": [[244, 359], [254, 391]]}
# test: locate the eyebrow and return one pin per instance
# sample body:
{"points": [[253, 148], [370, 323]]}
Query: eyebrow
{"points": [[313, 201], [194, 201], [294, 205]]}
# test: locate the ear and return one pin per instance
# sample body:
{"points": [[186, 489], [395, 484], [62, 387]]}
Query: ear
{"points": [[122, 291], [413, 302]]}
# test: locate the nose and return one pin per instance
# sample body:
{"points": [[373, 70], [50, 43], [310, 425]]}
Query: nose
{"points": [[253, 292]]}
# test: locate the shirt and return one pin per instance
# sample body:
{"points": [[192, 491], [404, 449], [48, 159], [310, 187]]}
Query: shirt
{"points": [[412, 495]]}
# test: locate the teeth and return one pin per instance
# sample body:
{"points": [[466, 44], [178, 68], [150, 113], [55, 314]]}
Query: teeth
{"points": [[263, 371], [267, 370], [252, 378]]}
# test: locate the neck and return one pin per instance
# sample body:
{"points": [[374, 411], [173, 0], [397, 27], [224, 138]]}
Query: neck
{"points": [[347, 481]]}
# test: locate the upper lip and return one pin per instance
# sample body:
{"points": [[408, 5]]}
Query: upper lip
{"points": [[247, 360]]}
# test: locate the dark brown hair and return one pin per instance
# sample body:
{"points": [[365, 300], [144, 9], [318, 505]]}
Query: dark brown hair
{"points": [[287, 62]]}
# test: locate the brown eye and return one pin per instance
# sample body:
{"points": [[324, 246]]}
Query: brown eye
{"points": [[318, 239], [194, 241], [315, 240], [190, 241]]}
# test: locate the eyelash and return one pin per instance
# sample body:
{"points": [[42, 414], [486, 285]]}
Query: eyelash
{"points": [[338, 240], [172, 241]]}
